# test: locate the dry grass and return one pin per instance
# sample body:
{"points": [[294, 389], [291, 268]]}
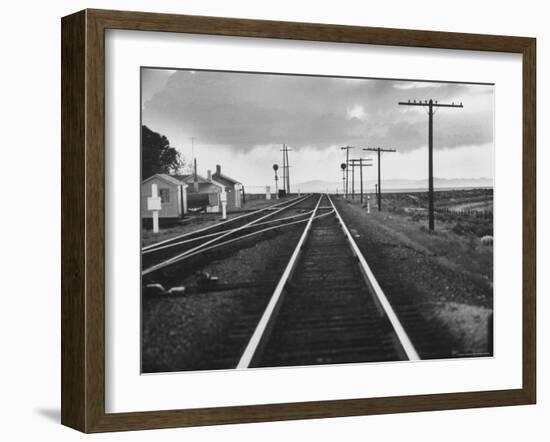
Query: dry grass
{"points": [[469, 325]]}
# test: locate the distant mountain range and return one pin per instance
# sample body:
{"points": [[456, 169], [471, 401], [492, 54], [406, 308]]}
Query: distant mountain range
{"points": [[393, 185]]}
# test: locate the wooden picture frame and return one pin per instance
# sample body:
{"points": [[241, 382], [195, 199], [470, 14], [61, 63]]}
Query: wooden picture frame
{"points": [[83, 219]]}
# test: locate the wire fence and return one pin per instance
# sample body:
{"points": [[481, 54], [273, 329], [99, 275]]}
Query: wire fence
{"points": [[467, 212]]}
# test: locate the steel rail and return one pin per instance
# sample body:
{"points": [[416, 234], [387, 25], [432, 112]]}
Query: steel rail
{"points": [[210, 235], [402, 335], [224, 222], [249, 235], [181, 256], [259, 332]]}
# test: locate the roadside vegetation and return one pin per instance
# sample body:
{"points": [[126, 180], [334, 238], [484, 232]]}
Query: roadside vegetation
{"points": [[449, 272], [464, 212]]}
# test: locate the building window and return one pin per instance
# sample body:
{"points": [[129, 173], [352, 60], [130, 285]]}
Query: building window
{"points": [[164, 195]]}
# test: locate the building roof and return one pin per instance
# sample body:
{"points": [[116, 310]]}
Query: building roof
{"points": [[189, 178], [204, 188], [224, 179], [167, 178]]}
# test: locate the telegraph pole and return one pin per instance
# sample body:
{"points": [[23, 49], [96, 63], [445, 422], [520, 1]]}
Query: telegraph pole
{"points": [[379, 150], [287, 171], [194, 159], [352, 179], [347, 148], [286, 168], [195, 178], [430, 104], [359, 163], [361, 177]]}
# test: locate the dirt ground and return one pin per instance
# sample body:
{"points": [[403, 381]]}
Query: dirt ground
{"points": [[449, 274]]}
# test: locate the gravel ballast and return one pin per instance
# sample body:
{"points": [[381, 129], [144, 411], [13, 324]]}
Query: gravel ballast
{"points": [[448, 292]]}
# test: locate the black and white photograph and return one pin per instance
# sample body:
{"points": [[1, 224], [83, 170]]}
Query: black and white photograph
{"points": [[266, 221], [302, 220]]}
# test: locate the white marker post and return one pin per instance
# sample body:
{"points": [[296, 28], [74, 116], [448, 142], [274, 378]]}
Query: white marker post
{"points": [[368, 203], [267, 192], [223, 199], [154, 204]]}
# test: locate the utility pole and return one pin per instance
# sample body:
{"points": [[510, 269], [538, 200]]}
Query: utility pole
{"points": [[359, 163], [361, 177], [286, 167], [287, 171], [347, 148], [195, 179], [430, 104], [352, 180], [379, 150]]}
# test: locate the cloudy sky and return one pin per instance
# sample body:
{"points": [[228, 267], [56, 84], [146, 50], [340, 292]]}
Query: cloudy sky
{"points": [[240, 120]]}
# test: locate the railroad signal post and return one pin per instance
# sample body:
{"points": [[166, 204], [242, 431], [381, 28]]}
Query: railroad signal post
{"points": [[379, 150], [276, 168], [430, 104], [343, 166]]}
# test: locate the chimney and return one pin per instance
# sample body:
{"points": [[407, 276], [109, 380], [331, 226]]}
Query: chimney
{"points": [[209, 175], [218, 169]]}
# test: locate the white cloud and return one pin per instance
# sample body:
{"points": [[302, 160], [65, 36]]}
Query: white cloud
{"points": [[241, 120], [356, 111]]}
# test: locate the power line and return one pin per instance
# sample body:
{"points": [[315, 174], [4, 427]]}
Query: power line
{"points": [[430, 104]]}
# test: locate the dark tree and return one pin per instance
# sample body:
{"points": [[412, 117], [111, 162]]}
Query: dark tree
{"points": [[157, 156]]}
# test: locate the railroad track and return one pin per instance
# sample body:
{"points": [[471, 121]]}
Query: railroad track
{"points": [[326, 308], [431, 340], [320, 303], [169, 252]]}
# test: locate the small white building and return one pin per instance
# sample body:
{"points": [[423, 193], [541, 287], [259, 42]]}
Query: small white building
{"points": [[233, 188], [172, 192], [202, 193]]}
